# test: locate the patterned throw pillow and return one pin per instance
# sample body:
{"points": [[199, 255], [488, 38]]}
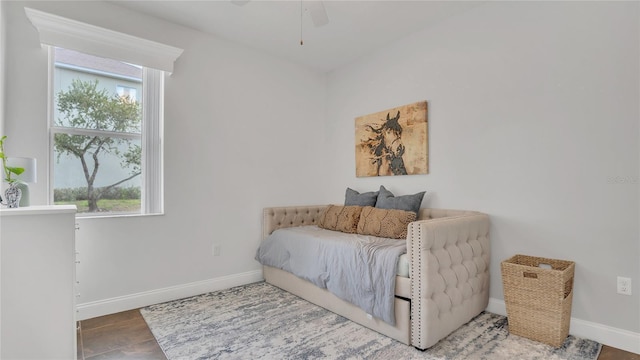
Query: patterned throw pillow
{"points": [[386, 223], [340, 218]]}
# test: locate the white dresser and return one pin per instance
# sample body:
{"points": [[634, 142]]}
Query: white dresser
{"points": [[37, 283]]}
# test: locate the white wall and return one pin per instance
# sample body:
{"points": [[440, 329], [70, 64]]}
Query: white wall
{"points": [[240, 134], [533, 114], [3, 32], [2, 73]]}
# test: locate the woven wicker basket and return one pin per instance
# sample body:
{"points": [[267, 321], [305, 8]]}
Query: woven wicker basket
{"points": [[538, 299]]}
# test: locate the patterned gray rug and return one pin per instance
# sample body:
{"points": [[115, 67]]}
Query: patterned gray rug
{"points": [[260, 321]]}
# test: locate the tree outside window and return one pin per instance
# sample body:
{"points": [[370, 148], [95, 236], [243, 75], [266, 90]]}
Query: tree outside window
{"points": [[97, 133]]}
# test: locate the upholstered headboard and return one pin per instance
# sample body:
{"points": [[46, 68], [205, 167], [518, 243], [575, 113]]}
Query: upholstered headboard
{"points": [[426, 214], [275, 218]]}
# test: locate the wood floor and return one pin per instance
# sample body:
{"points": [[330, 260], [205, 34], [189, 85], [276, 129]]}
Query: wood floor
{"points": [[126, 336], [123, 336]]}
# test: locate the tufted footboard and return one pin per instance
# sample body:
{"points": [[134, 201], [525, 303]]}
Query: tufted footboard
{"points": [[449, 252], [449, 274]]}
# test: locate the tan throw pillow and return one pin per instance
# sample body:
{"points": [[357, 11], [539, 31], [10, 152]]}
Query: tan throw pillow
{"points": [[386, 223], [340, 218]]}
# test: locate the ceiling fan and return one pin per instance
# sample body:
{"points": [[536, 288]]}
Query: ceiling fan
{"points": [[315, 8]]}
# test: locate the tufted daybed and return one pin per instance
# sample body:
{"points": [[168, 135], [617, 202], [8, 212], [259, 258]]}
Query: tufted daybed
{"points": [[448, 281]]}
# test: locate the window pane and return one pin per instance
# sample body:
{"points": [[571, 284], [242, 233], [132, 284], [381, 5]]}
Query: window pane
{"points": [[96, 93], [97, 128], [109, 182], [127, 93]]}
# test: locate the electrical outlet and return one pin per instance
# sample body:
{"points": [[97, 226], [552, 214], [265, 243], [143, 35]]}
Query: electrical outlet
{"points": [[624, 285], [216, 250]]}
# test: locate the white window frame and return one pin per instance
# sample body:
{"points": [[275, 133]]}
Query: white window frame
{"points": [[151, 140], [157, 60], [152, 201]]}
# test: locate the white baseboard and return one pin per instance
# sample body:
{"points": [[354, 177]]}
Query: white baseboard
{"points": [[614, 337], [122, 303]]}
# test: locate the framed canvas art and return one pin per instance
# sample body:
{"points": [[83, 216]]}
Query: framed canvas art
{"points": [[393, 142]]}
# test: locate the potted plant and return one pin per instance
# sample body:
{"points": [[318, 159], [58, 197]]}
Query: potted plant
{"points": [[13, 193]]}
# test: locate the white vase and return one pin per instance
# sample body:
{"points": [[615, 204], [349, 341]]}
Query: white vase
{"points": [[12, 195]]}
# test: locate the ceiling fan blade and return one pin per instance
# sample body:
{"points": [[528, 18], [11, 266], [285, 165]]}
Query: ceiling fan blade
{"points": [[318, 13], [240, 2]]}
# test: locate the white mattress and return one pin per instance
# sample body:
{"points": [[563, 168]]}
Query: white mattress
{"points": [[403, 266]]}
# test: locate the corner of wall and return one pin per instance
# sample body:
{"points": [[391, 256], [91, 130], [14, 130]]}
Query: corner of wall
{"points": [[3, 31]]}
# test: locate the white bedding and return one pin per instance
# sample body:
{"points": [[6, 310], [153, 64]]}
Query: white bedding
{"points": [[403, 266], [356, 268]]}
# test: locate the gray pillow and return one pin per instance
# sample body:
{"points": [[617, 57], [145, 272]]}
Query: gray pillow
{"points": [[353, 197], [386, 200]]}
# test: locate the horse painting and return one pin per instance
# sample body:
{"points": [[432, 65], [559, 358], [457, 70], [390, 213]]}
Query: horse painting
{"points": [[393, 146], [386, 147]]}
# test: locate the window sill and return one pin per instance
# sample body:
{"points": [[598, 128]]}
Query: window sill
{"points": [[111, 216]]}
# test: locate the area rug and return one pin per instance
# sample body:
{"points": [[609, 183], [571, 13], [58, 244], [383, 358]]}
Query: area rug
{"points": [[260, 321]]}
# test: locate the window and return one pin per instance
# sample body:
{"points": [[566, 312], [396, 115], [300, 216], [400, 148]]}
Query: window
{"points": [[98, 130], [115, 139], [127, 93]]}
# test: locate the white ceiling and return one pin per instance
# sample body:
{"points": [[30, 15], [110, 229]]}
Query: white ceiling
{"points": [[355, 28]]}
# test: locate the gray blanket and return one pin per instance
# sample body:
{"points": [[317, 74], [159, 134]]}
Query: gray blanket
{"points": [[359, 269]]}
